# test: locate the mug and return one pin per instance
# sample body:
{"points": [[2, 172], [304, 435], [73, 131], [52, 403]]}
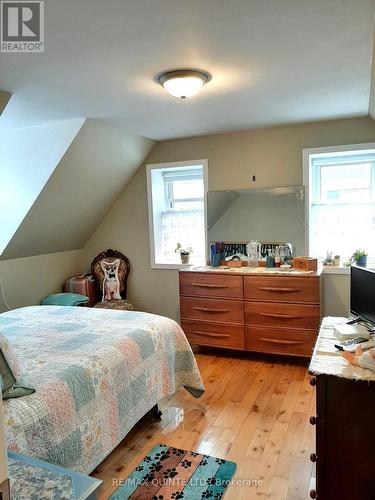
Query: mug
{"points": [[270, 261], [215, 260]]}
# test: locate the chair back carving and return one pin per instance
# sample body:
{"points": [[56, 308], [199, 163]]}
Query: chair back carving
{"points": [[107, 268]]}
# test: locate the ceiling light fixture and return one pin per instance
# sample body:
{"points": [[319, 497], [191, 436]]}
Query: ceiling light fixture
{"points": [[183, 83]]}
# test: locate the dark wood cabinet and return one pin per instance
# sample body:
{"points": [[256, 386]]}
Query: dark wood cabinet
{"points": [[344, 422], [345, 439]]}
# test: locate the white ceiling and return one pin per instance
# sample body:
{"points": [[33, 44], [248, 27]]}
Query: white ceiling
{"points": [[272, 62]]}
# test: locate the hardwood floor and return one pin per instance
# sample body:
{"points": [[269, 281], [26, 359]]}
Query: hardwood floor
{"points": [[255, 411]]}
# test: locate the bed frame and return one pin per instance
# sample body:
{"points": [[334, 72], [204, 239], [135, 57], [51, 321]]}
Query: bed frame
{"points": [[155, 413]]}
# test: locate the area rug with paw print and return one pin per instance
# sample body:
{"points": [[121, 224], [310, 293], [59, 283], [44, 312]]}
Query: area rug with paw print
{"points": [[168, 473]]}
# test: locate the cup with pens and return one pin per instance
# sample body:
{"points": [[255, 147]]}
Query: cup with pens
{"points": [[215, 254]]}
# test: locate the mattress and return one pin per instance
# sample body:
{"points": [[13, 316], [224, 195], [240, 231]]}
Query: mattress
{"points": [[96, 373]]}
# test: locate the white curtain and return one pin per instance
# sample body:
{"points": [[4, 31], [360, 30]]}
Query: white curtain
{"points": [[186, 227], [342, 229]]}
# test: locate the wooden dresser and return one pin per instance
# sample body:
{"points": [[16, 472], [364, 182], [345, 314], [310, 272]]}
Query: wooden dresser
{"points": [[344, 422], [272, 313]]}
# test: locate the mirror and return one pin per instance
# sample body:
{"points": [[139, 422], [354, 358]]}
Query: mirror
{"points": [[272, 214]]}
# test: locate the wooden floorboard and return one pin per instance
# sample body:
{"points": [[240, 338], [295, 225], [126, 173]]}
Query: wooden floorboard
{"points": [[255, 411]]}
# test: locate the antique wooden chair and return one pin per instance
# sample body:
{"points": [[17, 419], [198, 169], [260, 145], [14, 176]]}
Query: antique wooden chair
{"points": [[110, 270]]}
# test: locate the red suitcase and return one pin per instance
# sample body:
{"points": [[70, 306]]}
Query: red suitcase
{"points": [[84, 284]]}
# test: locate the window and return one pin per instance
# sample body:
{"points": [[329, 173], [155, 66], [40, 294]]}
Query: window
{"points": [[341, 200], [177, 211]]}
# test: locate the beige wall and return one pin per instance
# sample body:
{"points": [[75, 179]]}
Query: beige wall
{"points": [[335, 291], [125, 228], [372, 84], [274, 155], [27, 280]]}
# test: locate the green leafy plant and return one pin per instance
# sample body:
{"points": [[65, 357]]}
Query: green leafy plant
{"points": [[358, 254], [183, 251]]}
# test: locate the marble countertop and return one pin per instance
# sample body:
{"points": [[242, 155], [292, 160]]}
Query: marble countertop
{"points": [[328, 360]]}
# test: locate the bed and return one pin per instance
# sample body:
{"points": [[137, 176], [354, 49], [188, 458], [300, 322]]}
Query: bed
{"points": [[96, 373]]}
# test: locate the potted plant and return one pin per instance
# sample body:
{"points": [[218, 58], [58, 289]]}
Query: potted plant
{"points": [[360, 258], [336, 260], [184, 253]]}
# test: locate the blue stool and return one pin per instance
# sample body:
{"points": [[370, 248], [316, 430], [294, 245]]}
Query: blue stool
{"points": [[65, 299]]}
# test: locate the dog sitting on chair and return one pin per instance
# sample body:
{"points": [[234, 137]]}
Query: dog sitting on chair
{"points": [[111, 284]]}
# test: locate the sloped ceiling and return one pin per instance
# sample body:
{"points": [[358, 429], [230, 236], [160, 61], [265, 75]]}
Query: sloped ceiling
{"points": [[28, 156], [88, 179], [4, 98]]}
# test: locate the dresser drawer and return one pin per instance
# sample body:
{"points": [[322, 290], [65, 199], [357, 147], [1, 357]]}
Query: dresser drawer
{"points": [[282, 289], [279, 340], [282, 315], [211, 285], [230, 311], [213, 334]]}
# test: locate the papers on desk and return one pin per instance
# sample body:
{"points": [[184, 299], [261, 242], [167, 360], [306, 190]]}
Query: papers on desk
{"points": [[347, 332]]}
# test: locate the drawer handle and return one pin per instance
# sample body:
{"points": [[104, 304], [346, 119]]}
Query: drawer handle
{"points": [[216, 335], [279, 289], [313, 420], [208, 310], [209, 285], [313, 457], [285, 342], [281, 316]]}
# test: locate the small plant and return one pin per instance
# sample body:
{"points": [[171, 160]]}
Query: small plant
{"points": [[184, 253], [358, 254], [359, 257]]}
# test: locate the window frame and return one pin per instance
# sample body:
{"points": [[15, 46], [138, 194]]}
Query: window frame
{"points": [[309, 179], [155, 166], [168, 180]]}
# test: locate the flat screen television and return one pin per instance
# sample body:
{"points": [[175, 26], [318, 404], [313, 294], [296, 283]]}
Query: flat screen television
{"points": [[362, 293]]}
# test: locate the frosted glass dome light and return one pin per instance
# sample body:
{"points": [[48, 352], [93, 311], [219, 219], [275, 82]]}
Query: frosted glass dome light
{"points": [[184, 82]]}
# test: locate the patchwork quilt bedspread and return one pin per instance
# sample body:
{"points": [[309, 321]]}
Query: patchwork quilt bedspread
{"points": [[96, 373]]}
